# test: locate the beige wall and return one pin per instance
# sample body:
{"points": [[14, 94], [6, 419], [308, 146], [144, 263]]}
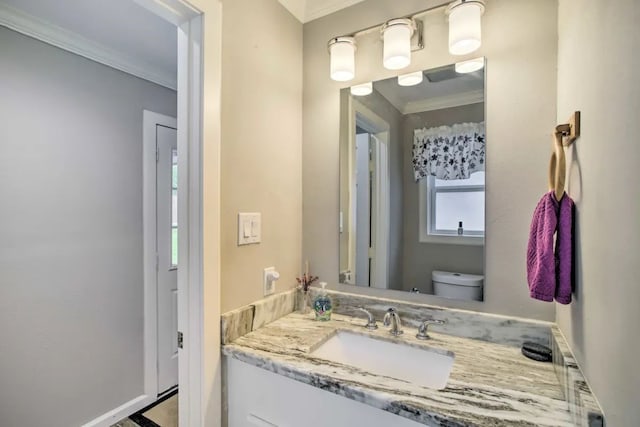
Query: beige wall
{"points": [[261, 145], [520, 43], [259, 136], [597, 74], [420, 259]]}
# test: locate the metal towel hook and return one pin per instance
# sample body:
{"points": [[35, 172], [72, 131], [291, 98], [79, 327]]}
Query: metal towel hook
{"points": [[563, 136]]}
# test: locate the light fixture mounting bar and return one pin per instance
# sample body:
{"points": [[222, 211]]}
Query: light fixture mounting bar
{"points": [[420, 36], [415, 16]]}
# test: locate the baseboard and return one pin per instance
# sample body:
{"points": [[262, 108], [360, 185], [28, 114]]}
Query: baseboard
{"points": [[122, 411]]}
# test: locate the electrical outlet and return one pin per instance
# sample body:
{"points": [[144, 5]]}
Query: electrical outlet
{"points": [[269, 277]]}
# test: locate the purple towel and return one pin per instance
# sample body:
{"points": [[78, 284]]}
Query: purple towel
{"points": [[548, 273]]}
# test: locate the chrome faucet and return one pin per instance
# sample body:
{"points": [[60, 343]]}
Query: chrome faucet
{"points": [[422, 329], [371, 322], [392, 319]]}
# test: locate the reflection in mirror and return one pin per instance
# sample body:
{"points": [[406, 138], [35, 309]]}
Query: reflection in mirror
{"points": [[412, 184]]}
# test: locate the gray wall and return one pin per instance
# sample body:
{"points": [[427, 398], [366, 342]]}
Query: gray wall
{"points": [[71, 283], [521, 111], [420, 259], [597, 74]]}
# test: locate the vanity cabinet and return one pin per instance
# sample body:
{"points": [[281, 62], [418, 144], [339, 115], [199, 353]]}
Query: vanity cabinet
{"points": [[260, 398]]}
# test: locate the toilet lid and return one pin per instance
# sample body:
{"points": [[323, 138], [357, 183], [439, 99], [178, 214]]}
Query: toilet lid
{"points": [[459, 279]]}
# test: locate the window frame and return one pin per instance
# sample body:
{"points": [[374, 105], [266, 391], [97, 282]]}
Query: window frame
{"points": [[426, 214]]}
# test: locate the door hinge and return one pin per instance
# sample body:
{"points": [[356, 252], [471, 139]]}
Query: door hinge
{"points": [[157, 262], [157, 153], [180, 339]]}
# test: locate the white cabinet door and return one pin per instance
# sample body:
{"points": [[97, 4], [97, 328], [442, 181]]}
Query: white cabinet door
{"points": [[259, 398]]}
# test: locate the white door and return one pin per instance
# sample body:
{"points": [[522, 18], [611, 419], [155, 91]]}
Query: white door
{"points": [[379, 212], [167, 244]]}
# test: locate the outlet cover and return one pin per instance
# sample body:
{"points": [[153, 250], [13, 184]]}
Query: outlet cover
{"points": [[268, 283]]}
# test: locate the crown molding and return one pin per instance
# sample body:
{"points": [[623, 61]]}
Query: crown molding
{"points": [[318, 9], [79, 45], [457, 100], [308, 10], [295, 7], [174, 11]]}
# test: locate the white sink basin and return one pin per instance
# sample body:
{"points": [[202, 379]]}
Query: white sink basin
{"points": [[424, 367]]}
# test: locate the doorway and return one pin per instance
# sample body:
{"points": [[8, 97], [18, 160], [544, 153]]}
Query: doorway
{"points": [[127, 331], [182, 244], [369, 199]]}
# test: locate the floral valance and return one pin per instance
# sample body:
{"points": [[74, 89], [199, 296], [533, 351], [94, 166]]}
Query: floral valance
{"points": [[449, 152]]}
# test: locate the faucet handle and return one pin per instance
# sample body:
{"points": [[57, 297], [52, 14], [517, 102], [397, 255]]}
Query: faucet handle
{"points": [[422, 329], [371, 321]]}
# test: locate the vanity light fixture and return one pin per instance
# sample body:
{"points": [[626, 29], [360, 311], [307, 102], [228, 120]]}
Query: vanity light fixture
{"points": [[401, 36], [410, 79], [343, 63], [465, 27], [396, 35], [470, 65], [362, 89]]}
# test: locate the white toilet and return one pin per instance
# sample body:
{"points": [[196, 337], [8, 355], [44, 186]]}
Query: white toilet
{"points": [[457, 285]]}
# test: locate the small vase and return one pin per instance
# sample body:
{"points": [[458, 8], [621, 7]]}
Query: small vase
{"points": [[302, 303]]}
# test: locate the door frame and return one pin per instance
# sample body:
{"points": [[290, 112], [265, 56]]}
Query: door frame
{"points": [[150, 241], [191, 129], [380, 129]]}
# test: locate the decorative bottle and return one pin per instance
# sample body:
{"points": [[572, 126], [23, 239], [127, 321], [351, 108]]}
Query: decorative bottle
{"points": [[460, 229], [322, 304]]}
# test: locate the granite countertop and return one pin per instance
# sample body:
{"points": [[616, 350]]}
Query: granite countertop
{"points": [[490, 384]]}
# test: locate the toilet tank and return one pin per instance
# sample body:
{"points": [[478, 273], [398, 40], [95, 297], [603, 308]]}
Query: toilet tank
{"points": [[454, 285]]}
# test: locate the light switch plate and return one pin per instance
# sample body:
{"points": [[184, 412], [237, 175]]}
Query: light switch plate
{"points": [[249, 228]]}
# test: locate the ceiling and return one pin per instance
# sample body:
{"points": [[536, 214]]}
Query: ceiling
{"points": [[121, 33], [453, 90], [118, 29], [308, 10]]}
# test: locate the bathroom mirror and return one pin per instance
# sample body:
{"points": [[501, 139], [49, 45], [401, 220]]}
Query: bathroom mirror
{"points": [[412, 156]]}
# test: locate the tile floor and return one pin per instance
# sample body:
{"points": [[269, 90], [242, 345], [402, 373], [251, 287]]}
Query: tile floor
{"points": [[126, 423], [164, 414]]}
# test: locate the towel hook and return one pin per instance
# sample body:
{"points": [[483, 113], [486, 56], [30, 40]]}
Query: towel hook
{"points": [[563, 136], [570, 130], [557, 167]]}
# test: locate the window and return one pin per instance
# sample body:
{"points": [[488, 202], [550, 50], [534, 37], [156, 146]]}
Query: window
{"points": [[174, 208], [446, 203]]}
